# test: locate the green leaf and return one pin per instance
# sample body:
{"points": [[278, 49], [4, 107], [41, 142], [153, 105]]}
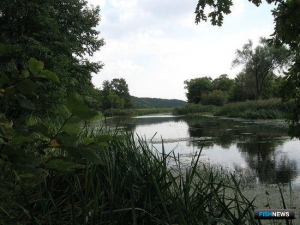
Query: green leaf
{"points": [[24, 102], [10, 90], [2, 131], [66, 139], [77, 108], [267, 193], [21, 139], [4, 79], [42, 129], [26, 86], [54, 143], [8, 48], [71, 128], [102, 144], [74, 119], [63, 165], [50, 75], [25, 74], [35, 66], [104, 138], [87, 141], [91, 156]]}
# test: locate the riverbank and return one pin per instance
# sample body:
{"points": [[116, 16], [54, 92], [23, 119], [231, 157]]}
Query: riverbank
{"points": [[261, 109], [135, 112], [130, 184]]}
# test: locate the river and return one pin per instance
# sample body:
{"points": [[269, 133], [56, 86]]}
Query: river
{"points": [[258, 148]]}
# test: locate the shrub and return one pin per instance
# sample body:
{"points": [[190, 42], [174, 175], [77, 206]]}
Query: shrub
{"points": [[216, 97], [261, 109], [194, 108]]}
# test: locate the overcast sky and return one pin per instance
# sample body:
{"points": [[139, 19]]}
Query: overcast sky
{"points": [[155, 45]]}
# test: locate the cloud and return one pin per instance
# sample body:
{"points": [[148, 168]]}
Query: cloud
{"points": [[155, 45]]}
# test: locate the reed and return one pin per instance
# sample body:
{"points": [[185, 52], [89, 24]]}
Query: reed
{"points": [[131, 185], [135, 112], [194, 108], [261, 109]]}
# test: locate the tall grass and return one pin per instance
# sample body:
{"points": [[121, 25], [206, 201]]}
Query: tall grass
{"points": [[135, 112], [194, 109], [261, 109], [131, 185]]}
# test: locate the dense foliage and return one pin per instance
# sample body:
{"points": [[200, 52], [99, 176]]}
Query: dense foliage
{"points": [[260, 63], [196, 87], [286, 32], [144, 103], [58, 32], [256, 81], [116, 95]]}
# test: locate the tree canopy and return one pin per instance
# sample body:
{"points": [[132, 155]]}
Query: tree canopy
{"points": [[59, 32], [261, 62], [116, 94], [286, 31], [196, 87]]}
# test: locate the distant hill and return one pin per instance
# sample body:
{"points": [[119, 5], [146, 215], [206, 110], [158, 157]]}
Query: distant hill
{"points": [[143, 103]]}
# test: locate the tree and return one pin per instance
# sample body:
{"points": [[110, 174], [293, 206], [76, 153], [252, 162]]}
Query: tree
{"points": [[60, 33], [196, 87], [120, 87], [94, 99], [286, 31], [261, 61], [244, 88], [222, 83], [115, 101], [216, 97], [116, 94]]}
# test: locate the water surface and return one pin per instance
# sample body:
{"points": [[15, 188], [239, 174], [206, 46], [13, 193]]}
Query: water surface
{"points": [[261, 148]]}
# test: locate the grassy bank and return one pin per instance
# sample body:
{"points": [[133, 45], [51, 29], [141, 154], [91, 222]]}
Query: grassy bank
{"points": [[130, 185], [193, 109], [261, 109], [135, 112]]}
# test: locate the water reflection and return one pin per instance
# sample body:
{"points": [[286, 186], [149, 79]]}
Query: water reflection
{"points": [[252, 145]]}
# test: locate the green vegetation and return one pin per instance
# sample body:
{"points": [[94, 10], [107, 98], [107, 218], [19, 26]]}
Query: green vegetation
{"points": [[130, 185], [257, 81], [286, 32], [261, 109], [190, 109], [260, 63], [135, 112], [250, 109], [116, 95], [66, 173], [59, 33], [144, 103], [56, 169]]}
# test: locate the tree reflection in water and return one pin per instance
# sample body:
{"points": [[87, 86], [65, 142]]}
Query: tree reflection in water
{"points": [[259, 144]]}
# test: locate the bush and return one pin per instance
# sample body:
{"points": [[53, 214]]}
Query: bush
{"points": [[194, 108], [216, 97], [261, 109], [130, 185]]}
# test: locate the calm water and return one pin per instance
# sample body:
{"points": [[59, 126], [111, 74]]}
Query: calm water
{"points": [[261, 148]]}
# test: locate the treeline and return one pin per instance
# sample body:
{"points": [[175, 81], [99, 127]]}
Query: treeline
{"points": [[256, 81], [115, 95], [145, 103]]}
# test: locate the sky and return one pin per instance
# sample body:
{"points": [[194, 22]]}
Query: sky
{"points": [[155, 45]]}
